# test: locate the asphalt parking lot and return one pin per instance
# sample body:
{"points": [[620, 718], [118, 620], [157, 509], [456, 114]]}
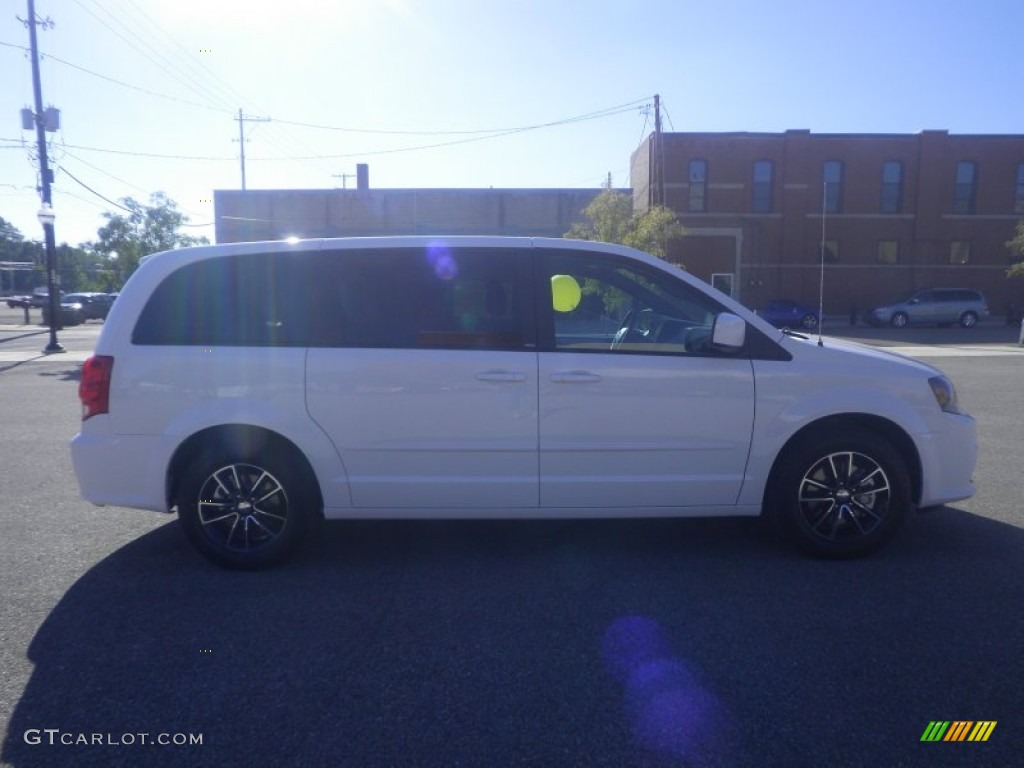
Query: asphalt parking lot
{"points": [[617, 643]]}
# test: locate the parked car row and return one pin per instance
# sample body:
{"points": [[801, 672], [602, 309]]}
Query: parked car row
{"points": [[76, 308], [930, 306]]}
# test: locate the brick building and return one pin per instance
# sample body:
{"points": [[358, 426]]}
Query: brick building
{"points": [[900, 211]]}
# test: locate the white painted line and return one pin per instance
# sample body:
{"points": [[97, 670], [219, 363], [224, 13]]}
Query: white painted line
{"points": [[976, 350]]}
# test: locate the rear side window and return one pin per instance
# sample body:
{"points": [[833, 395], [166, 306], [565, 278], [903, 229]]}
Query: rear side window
{"points": [[434, 298]]}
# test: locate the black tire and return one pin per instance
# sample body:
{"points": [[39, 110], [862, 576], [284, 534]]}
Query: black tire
{"points": [[968, 320], [900, 320], [217, 507], [809, 322], [841, 493]]}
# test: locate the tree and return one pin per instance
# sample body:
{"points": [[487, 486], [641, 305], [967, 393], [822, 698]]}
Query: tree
{"points": [[611, 220], [143, 229], [14, 247], [1016, 245]]}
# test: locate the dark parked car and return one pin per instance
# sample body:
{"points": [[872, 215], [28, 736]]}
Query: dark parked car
{"points": [[95, 306], [785, 313], [71, 313], [19, 302], [935, 306]]}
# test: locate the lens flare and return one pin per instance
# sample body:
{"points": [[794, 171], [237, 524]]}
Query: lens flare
{"points": [[669, 710]]}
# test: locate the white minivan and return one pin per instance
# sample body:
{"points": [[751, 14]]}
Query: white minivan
{"points": [[256, 387]]}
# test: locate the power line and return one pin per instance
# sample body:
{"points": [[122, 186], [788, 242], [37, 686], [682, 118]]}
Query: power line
{"points": [[611, 112], [208, 75], [90, 189], [105, 173], [618, 109], [349, 129]]}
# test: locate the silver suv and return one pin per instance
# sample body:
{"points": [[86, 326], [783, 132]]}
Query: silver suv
{"points": [[932, 306]]}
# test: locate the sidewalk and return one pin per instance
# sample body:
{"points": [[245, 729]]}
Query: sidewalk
{"points": [[24, 343]]}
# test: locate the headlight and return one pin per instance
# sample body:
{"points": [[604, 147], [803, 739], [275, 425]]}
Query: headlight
{"points": [[945, 394]]}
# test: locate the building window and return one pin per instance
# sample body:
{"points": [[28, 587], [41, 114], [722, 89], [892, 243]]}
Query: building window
{"points": [[764, 173], [888, 252], [830, 251], [892, 187], [960, 252], [698, 186], [1018, 203], [965, 187], [832, 177]]}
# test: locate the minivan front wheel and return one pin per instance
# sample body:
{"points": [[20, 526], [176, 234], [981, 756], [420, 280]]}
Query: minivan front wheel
{"points": [[842, 495], [243, 512], [899, 320]]}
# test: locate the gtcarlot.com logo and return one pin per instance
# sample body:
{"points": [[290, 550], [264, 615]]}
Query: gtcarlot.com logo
{"points": [[55, 736], [959, 730]]}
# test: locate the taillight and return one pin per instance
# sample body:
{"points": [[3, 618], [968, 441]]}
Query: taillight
{"points": [[94, 388]]}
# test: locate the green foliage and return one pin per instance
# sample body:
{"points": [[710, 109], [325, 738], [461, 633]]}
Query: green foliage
{"points": [[77, 268], [143, 229], [610, 219], [14, 247], [1016, 245]]}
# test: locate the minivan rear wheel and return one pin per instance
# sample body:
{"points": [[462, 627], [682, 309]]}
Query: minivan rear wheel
{"points": [[968, 320], [243, 511], [843, 494]]}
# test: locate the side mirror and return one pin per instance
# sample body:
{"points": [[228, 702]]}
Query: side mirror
{"points": [[729, 332]]}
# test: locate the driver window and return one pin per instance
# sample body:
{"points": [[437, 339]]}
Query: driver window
{"points": [[601, 303]]}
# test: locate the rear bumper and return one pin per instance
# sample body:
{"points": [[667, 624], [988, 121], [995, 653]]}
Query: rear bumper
{"points": [[121, 470]]}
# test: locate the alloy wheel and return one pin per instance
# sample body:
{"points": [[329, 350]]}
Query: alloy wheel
{"points": [[242, 507], [844, 496]]}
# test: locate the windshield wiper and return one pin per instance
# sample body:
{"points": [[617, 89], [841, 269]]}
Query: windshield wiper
{"points": [[794, 334]]}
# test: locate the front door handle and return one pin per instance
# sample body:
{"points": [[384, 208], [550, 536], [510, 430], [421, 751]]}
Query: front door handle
{"points": [[575, 377], [497, 375]]}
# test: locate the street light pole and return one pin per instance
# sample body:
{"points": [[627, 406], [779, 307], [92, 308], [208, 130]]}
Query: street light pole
{"points": [[46, 218]]}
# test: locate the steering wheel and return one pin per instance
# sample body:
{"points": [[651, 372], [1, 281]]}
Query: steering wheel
{"points": [[624, 334]]}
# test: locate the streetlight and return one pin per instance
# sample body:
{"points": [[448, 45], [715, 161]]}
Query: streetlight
{"points": [[46, 218]]}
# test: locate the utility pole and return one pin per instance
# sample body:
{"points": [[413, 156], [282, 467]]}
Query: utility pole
{"points": [[46, 215], [242, 119], [659, 155], [344, 178]]}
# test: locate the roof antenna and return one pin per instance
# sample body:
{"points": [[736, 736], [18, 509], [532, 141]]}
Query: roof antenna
{"points": [[821, 282]]}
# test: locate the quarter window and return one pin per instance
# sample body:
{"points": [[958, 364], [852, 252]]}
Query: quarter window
{"points": [[832, 183], [698, 186], [892, 187], [256, 300], [762, 188], [965, 188]]}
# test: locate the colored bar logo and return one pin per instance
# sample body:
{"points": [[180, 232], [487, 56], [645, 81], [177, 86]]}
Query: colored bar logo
{"points": [[959, 730]]}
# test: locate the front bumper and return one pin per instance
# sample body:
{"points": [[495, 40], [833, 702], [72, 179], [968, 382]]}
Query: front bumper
{"points": [[948, 460]]}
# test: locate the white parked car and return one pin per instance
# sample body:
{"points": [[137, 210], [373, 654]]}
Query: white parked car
{"points": [[255, 387]]}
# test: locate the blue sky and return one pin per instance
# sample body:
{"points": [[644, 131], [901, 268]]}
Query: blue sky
{"points": [[411, 73]]}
